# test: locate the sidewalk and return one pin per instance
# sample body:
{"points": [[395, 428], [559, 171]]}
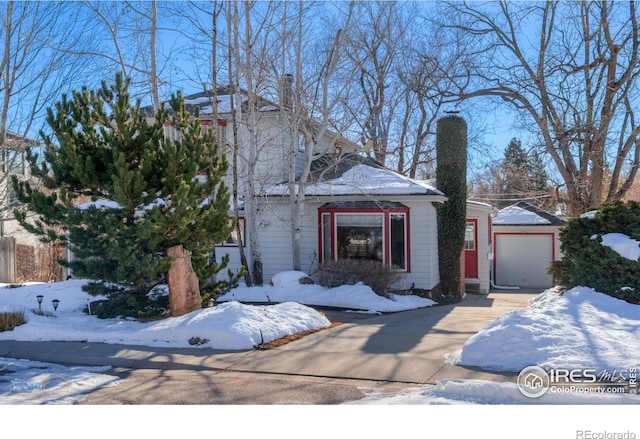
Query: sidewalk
{"points": [[406, 347]]}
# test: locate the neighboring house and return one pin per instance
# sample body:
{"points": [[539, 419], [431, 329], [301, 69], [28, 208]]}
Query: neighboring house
{"points": [[526, 240], [22, 256]]}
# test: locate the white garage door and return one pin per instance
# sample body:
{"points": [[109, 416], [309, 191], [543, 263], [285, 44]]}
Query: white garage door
{"points": [[522, 260]]}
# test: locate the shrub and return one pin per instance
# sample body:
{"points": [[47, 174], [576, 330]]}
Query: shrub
{"points": [[43, 313], [214, 289], [375, 274], [588, 263], [9, 320], [451, 176], [124, 303]]}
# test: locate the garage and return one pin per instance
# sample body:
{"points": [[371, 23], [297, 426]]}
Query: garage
{"points": [[522, 259], [525, 241]]}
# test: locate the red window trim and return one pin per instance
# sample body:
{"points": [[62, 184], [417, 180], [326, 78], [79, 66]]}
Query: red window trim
{"points": [[204, 122], [386, 230]]}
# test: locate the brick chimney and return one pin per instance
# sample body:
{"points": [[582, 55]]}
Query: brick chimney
{"points": [[287, 91]]}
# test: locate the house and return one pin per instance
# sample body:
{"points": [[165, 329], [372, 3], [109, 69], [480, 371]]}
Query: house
{"points": [[353, 206], [360, 209], [22, 256], [526, 240]]}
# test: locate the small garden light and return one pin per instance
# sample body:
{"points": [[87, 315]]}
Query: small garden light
{"points": [[55, 302], [39, 298]]}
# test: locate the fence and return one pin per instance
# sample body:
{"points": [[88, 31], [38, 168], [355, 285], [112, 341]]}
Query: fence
{"points": [[7, 259], [21, 263]]}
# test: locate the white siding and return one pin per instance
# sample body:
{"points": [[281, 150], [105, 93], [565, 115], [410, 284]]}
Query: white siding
{"points": [[275, 241], [423, 241]]}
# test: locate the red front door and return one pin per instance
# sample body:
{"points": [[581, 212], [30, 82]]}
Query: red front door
{"points": [[471, 248]]}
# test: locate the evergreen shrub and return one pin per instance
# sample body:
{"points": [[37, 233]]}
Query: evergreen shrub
{"points": [[123, 302], [451, 177], [162, 191], [588, 263]]}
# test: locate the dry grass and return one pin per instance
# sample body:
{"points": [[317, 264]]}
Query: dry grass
{"points": [[9, 320], [289, 338]]}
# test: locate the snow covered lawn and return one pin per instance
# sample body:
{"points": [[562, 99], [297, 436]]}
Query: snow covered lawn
{"points": [[581, 328], [229, 325]]}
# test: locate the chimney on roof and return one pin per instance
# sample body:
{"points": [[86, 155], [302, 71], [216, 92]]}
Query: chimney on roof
{"points": [[287, 91]]}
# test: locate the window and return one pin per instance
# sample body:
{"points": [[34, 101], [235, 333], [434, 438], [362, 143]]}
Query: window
{"points": [[398, 235], [359, 236], [365, 230], [13, 161], [470, 236], [232, 240], [219, 130]]}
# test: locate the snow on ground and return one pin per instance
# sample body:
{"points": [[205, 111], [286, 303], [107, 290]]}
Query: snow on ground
{"points": [[35, 382], [473, 392], [579, 329], [357, 297], [229, 325]]}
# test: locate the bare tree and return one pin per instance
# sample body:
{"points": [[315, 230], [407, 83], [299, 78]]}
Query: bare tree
{"points": [[126, 38], [34, 69], [372, 43], [406, 69], [570, 69]]}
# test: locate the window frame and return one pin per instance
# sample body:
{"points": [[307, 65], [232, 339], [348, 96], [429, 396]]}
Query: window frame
{"points": [[233, 237], [474, 232], [330, 214]]}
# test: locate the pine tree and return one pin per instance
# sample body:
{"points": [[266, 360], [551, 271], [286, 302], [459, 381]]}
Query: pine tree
{"points": [[163, 192], [523, 175]]}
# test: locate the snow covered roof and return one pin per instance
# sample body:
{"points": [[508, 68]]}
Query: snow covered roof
{"points": [[479, 205], [525, 214], [363, 179]]}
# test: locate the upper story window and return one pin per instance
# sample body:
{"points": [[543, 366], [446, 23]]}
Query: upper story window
{"points": [[220, 131], [13, 161]]}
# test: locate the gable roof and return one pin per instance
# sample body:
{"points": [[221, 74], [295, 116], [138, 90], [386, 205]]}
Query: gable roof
{"points": [[525, 214], [353, 175], [205, 102], [16, 142]]}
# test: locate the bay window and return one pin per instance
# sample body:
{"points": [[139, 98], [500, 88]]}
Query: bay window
{"points": [[367, 231]]}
